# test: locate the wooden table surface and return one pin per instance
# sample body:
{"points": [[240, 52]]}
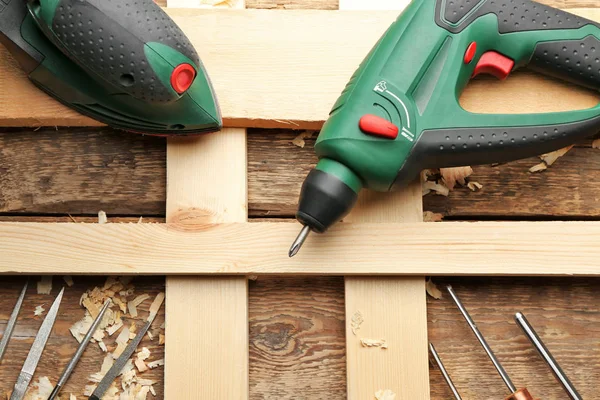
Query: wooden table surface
{"points": [[297, 343]]}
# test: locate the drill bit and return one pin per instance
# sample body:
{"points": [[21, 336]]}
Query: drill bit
{"points": [[482, 341], [117, 367], [84, 343], [35, 353], [440, 365], [547, 356], [297, 245], [12, 322]]}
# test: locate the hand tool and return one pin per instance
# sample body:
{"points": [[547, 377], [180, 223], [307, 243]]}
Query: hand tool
{"points": [[35, 353], [82, 346], [547, 356], [400, 112], [12, 322], [440, 365], [126, 64], [521, 394], [117, 367]]}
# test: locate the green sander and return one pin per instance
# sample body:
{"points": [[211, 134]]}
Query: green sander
{"points": [[124, 63], [400, 112]]}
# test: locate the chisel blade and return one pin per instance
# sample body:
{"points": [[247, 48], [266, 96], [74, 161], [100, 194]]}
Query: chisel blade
{"points": [[35, 353], [12, 322]]}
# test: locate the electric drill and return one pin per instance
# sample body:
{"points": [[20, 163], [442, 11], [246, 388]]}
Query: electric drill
{"points": [[124, 63], [400, 111]]}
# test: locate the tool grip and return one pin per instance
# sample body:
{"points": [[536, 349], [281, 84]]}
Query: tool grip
{"points": [[134, 46]]}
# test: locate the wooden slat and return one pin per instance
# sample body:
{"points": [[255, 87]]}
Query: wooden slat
{"points": [[262, 80], [452, 248]]}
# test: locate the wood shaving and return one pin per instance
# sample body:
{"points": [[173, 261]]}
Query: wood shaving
{"points": [[433, 290], [132, 330], [299, 141], [549, 158], [40, 390], [156, 364], [39, 310], [141, 366], [385, 395], [435, 187], [142, 356], [596, 144], [452, 176], [161, 339], [80, 328], [72, 397], [538, 168], [150, 335], [474, 186], [152, 391], [89, 389], [113, 329], [121, 341], [68, 280], [102, 346], [107, 363], [102, 219], [132, 305], [156, 304], [429, 216], [44, 285], [381, 343], [356, 322]]}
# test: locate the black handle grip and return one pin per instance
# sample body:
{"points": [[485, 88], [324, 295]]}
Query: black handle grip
{"points": [[108, 38]]}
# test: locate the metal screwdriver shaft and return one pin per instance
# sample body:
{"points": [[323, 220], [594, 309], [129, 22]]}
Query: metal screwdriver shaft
{"points": [[440, 365], [482, 341], [12, 322], [297, 245], [84, 343], [547, 356]]}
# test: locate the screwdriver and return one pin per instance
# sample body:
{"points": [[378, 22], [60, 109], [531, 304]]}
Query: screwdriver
{"points": [[547, 356], [445, 374], [521, 394]]}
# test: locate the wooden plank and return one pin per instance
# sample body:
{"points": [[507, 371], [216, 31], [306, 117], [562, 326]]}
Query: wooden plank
{"points": [[294, 4], [560, 311], [255, 73], [452, 248], [297, 338], [393, 308], [61, 345]]}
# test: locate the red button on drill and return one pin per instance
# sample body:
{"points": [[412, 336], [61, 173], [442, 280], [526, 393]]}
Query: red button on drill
{"points": [[377, 126], [470, 53], [494, 64], [182, 77]]}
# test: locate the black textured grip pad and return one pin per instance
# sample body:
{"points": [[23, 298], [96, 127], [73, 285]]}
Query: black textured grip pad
{"points": [[107, 38], [513, 15], [577, 61], [477, 146]]}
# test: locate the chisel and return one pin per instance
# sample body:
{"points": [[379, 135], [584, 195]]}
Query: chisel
{"points": [[445, 374], [12, 322]]}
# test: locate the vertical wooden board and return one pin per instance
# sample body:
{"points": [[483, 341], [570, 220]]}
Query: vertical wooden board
{"points": [[393, 309]]}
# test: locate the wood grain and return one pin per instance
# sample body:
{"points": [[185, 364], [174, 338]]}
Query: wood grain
{"points": [[61, 345], [297, 341], [563, 311]]}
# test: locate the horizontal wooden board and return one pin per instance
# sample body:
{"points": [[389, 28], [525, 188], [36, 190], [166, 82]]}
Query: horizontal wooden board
{"points": [[453, 248], [262, 80]]}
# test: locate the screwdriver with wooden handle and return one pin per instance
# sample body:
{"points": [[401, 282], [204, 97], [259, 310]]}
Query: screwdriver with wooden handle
{"points": [[520, 394]]}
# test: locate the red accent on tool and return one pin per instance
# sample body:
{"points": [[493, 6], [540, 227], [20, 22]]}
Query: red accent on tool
{"points": [[377, 126], [182, 77], [470, 53], [494, 63]]}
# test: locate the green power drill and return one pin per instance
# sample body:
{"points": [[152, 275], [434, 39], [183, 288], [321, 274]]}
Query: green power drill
{"points": [[400, 112], [124, 63]]}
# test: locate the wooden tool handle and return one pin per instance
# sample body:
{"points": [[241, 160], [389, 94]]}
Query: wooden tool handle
{"points": [[521, 394]]}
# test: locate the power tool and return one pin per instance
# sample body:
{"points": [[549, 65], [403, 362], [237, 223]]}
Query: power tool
{"points": [[400, 112], [124, 63]]}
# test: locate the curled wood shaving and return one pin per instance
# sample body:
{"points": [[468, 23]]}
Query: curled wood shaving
{"points": [[435, 187], [161, 339], [68, 280], [156, 304], [381, 343], [429, 216], [39, 310], [113, 329], [385, 395], [132, 305], [299, 140], [44, 285], [102, 219], [452, 176], [549, 158], [150, 335], [356, 322], [155, 364], [474, 186], [433, 290], [538, 168]]}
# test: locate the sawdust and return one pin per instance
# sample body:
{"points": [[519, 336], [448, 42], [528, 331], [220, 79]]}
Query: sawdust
{"points": [[380, 343], [102, 219], [385, 395], [356, 322], [299, 140], [433, 290], [443, 181], [549, 158], [40, 390], [429, 216], [39, 310], [44, 285]]}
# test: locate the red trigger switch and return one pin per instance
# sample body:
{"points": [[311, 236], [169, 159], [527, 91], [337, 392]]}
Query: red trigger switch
{"points": [[494, 63], [182, 77], [377, 126]]}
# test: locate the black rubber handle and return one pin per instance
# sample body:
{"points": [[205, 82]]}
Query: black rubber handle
{"points": [[107, 39]]}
